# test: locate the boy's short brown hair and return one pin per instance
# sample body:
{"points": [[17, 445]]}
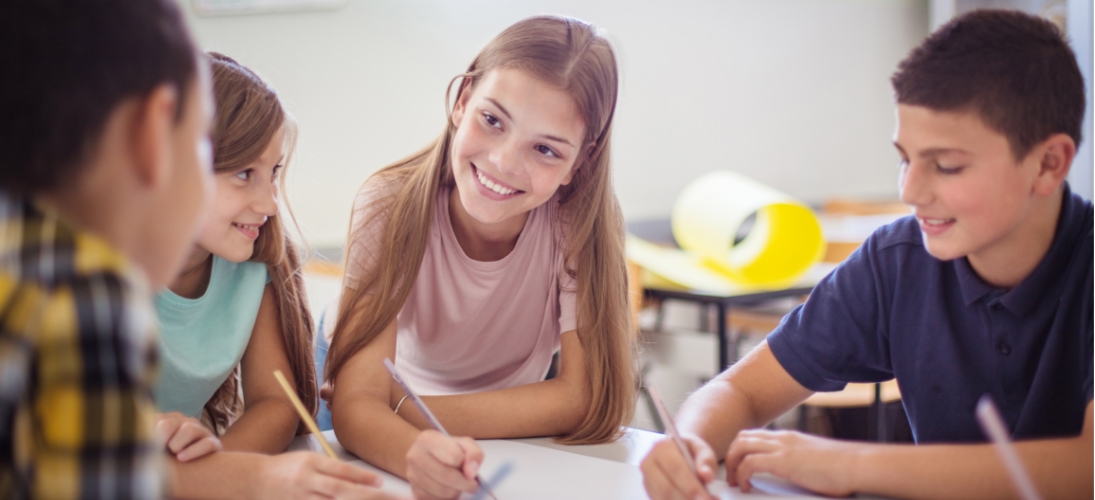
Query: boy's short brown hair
{"points": [[1016, 71], [66, 65]]}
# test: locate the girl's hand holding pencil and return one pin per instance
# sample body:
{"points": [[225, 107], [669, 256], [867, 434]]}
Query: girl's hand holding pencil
{"points": [[440, 467], [305, 474]]}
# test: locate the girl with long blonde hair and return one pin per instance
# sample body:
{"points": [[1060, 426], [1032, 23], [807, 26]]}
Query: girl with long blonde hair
{"points": [[238, 311], [472, 261]]}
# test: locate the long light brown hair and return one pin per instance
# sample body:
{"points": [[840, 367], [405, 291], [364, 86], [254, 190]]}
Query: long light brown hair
{"points": [[570, 55], [249, 114]]}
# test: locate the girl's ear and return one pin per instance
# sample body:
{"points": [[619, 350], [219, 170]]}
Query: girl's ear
{"points": [[586, 154], [570, 175], [462, 95]]}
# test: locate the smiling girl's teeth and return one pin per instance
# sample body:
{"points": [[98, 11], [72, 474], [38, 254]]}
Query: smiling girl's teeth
{"points": [[492, 186], [935, 222]]}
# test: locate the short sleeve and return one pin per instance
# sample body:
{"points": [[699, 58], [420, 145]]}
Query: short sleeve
{"points": [[367, 225], [839, 334], [568, 315]]}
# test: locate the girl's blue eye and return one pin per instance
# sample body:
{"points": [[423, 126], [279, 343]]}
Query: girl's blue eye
{"points": [[274, 176], [244, 175], [491, 120], [546, 151]]}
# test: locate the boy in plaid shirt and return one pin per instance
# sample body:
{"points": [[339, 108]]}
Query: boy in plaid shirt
{"points": [[105, 173]]}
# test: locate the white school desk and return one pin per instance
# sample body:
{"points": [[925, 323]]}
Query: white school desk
{"points": [[543, 469]]}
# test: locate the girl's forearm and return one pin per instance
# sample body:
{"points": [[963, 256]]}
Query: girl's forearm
{"points": [[1060, 468], [227, 475], [267, 426], [548, 408], [369, 429]]}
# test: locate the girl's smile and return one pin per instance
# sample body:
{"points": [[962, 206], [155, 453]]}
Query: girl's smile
{"points": [[250, 231], [493, 188]]}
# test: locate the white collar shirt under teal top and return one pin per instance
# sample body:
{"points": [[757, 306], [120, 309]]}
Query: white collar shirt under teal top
{"points": [[203, 339]]}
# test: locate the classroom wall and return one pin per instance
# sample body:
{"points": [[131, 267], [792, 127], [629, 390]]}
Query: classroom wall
{"points": [[1080, 30], [794, 93]]}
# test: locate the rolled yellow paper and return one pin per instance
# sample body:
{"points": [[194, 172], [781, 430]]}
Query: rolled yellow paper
{"points": [[784, 243]]}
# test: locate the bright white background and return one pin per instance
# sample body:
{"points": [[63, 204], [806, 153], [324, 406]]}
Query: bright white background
{"points": [[793, 93]]}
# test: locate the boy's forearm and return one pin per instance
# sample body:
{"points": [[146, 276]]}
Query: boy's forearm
{"points": [[752, 393], [267, 426], [1060, 468], [716, 413]]}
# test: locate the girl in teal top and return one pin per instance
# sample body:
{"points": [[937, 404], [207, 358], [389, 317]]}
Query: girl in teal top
{"points": [[237, 312]]}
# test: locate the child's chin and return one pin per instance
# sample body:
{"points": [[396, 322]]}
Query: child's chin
{"points": [[942, 251], [238, 255]]}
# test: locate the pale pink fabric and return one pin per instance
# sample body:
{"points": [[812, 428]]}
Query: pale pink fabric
{"points": [[467, 325]]}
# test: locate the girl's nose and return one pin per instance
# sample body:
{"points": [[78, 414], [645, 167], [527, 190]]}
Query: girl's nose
{"points": [[506, 157], [265, 199]]}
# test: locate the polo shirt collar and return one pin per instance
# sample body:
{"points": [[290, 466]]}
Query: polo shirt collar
{"points": [[973, 288], [1021, 299]]}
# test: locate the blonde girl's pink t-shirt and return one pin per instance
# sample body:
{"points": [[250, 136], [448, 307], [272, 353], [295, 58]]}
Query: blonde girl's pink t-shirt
{"points": [[468, 325]]}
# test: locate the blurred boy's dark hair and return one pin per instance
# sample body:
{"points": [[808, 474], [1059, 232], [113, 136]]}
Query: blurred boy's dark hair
{"points": [[66, 65]]}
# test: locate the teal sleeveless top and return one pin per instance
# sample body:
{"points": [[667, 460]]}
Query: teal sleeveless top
{"points": [[203, 339]]}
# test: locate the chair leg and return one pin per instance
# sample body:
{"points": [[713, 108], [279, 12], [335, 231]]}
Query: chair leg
{"points": [[653, 410], [659, 317], [880, 413]]}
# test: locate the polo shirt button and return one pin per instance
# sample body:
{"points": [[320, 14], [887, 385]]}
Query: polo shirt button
{"points": [[1003, 348], [997, 306]]}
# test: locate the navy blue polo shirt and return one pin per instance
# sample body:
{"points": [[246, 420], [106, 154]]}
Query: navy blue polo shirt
{"points": [[893, 310]]}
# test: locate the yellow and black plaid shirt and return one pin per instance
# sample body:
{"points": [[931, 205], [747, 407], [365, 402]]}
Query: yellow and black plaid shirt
{"points": [[77, 354]]}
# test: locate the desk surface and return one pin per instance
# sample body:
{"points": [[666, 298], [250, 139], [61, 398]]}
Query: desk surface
{"points": [[543, 469]]}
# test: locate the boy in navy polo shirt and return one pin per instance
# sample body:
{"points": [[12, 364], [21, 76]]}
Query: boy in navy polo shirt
{"points": [[986, 290]]}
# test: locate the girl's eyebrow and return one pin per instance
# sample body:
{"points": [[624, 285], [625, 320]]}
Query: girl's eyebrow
{"points": [[504, 112], [500, 107], [558, 139]]}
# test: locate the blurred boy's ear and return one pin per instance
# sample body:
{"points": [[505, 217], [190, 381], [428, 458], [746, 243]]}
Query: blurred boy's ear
{"points": [[1055, 156], [153, 124]]}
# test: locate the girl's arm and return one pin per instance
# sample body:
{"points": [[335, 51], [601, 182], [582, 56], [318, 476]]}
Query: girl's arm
{"points": [[367, 426], [438, 467], [547, 408], [302, 474], [269, 421], [363, 420]]}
